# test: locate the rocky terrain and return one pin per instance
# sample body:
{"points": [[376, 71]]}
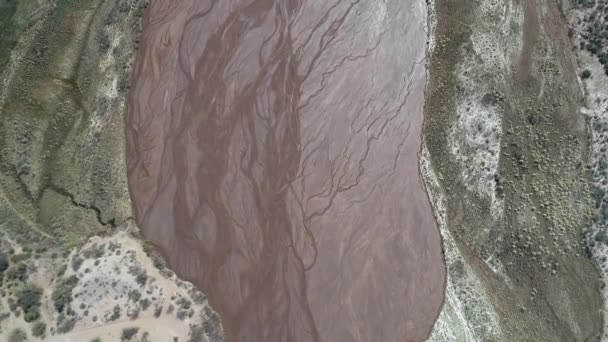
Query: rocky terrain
{"points": [[507, 160]]}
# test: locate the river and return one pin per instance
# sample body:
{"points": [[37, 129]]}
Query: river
{"points": [[272, 151]]}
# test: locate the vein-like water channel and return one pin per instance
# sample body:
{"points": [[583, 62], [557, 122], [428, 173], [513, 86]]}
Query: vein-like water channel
{"points": [[273, 157]]}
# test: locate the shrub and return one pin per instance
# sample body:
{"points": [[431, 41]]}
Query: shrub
{"points": [[65, 325], [29, 301], [134, 295], [115, 313], [76, 262], [38, 329], [148, 247], [128, 333], [141, 279], [17, 272], [601, 236], [158, 311], [140, 274], [62, 270], [586, 74], [145, 304], [62, 295], [197, 333], [3, 262], [30, 316], [182, 314], [212, 327], [134, 314], [113, 246], [94, 251], [184, 303]]}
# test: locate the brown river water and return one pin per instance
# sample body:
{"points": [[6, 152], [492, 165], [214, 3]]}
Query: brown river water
{"points": [[273, 158]]}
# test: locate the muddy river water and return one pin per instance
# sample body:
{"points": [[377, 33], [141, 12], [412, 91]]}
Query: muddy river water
{"points": [[273, 158]]}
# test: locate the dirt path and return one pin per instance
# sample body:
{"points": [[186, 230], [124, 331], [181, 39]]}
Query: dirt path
{"points": [[273, 157]]}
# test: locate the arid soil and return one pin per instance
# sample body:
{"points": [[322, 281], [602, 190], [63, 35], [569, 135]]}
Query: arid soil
{"points": [[272, 154]]}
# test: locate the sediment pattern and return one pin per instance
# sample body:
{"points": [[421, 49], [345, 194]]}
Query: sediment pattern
{"points": [[273, 157]]}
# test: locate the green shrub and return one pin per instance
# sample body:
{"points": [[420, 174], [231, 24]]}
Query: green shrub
{"points": [[30, 316]]}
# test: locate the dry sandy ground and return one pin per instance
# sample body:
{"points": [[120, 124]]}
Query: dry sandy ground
{"points": [[110, 280]]}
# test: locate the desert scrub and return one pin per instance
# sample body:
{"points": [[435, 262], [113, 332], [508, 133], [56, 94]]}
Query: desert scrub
{"points": [[62, 295]]}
